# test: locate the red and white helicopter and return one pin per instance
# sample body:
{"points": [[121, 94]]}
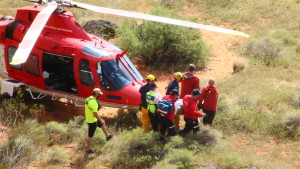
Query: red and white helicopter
{"points": [[45, 50]]}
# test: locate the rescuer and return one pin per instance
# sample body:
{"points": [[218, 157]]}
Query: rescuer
{"points": [[152, 98], [92, 108], [144, 90], [167, 120], [188, 83], [175, 83], [191, 113], [208, 101]]}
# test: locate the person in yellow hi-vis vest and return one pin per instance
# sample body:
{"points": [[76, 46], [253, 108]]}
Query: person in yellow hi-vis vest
{"points": [[93, 120], [143, 90], [152, 99]]}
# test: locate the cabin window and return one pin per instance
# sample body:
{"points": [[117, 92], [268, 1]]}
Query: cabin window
{"points": [[58, 73], [11, 52], [86, 76], [95, 52], [31, 66], [112, 75]]}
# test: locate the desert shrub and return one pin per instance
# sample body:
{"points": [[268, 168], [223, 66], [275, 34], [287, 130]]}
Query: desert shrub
{"points": [[19, 151], [13, 110], [33, 129], [56, 156], [57, 132], [163, 46], [101, 28], [295, 101], [126, 120], [36, 110], [266, 50], [218, 3], [132, 149], [287, 127], [243, 119], [178, 158], [239, 65]]}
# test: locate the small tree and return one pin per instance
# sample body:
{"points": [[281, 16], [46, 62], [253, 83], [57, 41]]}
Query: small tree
{"points": [[162, 45]]}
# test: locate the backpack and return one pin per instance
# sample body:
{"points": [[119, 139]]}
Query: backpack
{"points": [[164, 107]]}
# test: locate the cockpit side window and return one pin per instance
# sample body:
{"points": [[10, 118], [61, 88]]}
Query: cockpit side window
{"points": [[112, 75], [86, 76]]}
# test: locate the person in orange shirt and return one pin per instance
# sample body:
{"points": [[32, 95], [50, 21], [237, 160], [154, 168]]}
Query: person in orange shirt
{"points": [[208, 102]]}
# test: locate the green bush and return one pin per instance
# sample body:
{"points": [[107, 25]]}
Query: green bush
{"points": [[265, 50], [163, 46], [57, 132], [56, 156], [13, 110], [178, 158], [126, 120], [287, 127], [131, 149]]}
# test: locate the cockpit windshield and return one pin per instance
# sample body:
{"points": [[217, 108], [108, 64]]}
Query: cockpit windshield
{"points": [[126, 61], [112, 75]]}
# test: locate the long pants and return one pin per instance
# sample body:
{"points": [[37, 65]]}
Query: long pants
{"points": [[167, 124], [190, 125], [154, 120], [208, 119], [177, 121], [145, 120]]}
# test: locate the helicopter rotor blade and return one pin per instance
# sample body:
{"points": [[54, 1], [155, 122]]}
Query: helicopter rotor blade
{"points": [[33, 34], [157, 19]]}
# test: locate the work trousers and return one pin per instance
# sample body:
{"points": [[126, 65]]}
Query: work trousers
{"points": [[167, 124], [190, 125], [208, 119], [145, 120], [177, 121], [154, 119]]}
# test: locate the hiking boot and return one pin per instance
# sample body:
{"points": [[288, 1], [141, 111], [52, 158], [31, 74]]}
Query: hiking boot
{"points": [[109, 137], [90, 151]]}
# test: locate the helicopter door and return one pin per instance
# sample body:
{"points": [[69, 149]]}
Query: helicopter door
{"points": [[29, 72], [58, 73]]}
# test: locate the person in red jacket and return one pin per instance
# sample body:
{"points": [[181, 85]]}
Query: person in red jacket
{"points": [[188, 84], [191, 113], [167, 121], [208, 101]]}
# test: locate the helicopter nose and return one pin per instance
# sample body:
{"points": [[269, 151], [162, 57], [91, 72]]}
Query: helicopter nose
{"points": [[131, 95]]}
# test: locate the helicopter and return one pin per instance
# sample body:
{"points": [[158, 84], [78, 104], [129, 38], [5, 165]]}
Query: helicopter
{"points": [[45, 50]]}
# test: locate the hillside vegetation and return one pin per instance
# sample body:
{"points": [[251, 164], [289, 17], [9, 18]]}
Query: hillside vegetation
{"points": [[258, 118]]}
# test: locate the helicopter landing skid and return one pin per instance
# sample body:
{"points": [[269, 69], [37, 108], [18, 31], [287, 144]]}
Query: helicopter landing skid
{"points": [[54, 97]]}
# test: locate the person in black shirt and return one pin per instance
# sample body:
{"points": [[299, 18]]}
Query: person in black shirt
{"points": [[175, 83], [143, 90]]}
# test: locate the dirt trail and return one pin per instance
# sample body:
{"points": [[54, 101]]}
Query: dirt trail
{"points": [[220, 64]]}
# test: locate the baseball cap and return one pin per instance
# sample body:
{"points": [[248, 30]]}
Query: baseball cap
{"points": [[97, 91], [196, 92]]}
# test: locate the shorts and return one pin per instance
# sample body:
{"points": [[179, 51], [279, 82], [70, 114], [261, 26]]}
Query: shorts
{"points": [[92, 127]]}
